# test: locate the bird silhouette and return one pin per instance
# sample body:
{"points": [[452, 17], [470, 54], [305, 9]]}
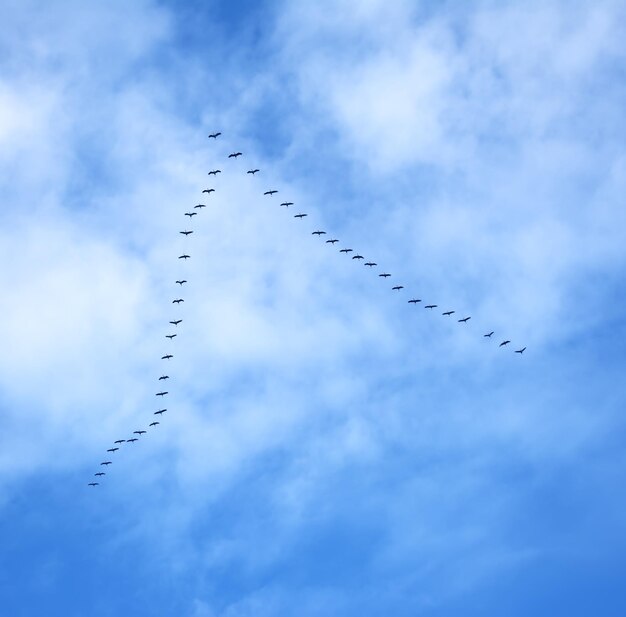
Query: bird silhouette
{"points": [[488, 335], [398, 287], [214, 135], [358, 257], [185, 233], [371, 264], [384, 275], [177, 301], [520, 351], [167, 356], [503, 343], [170, 336], [112, 449], [215, 172], [185, 256], [208, 191], [200, 206], [332, 241], [287, 203], [119, 441], [94, 483], [154, 423], [234, 155], [190, 214], [464, 320], [181, 282], [164, 377], [161, 393], [345, 250], [100, 474], [139, 432], [318, 233], [106, 463], [299, 216], [448, 313], [252, 171], [270, 192], [160, 412], [133, 440], [414, 301], [176, 322], [431, 306]]}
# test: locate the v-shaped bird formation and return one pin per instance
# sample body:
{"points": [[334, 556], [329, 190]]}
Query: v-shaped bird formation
{"points": [[137, 434]]}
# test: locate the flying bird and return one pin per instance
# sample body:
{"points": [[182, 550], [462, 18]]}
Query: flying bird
{"points": [[332, 241], [161, 393], [139, 432], [270, 192], [94, 484], [154, 423], [299, 216], [200, 206], [215, 172], [184, 256], [181, 282], [176, 322], [520, 351], [177, 301], [160, 412], [503, 343], [112, 449], [120, 441], [488, 335], [234, 155], [214, 135], [100, 473], [370, 263], [358, 257], [345, 250], [252, 171], [464, 320], [185, 233], [431, 306], [190, 214], [287, 203], [167, 356], [170, 336], [318, 233], [384, 274], [448, 313], [398, 287], [133, 440], [106, 463], [208, 191], [414, 301], [163, 377]]}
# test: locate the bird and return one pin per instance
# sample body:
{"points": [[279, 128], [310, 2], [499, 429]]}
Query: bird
{"points": [[270, 192], [161, 393], [431, 306], [358, 257], [345, 250], [299, 216], [120, 441], [448, 313], [398, 287], [208, 191], [190, 214], [133, 440], [503, 343], [414, 301], [163, 377], [318, 233], [175, 322], [112, 449], [94, 483], [106, 463], [167, 356], [252, 171], [177, 301], [215, 172], [234, 155], [184, 256], [214, 135], [520, 351], [154, 423], [139, 432], [287, 203], [170, 336], [160, 412], [488, 335], [384, 274], [200, 206], [185, 233], [464, 320], [371, 264], [332, 241], [181, 282], [100, 473]]}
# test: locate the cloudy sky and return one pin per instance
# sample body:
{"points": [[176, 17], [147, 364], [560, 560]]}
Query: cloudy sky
{"points": [[328, 448]]}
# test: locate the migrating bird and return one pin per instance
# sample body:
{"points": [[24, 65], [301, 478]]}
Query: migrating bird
{"points": [[214, 135], [345, 250], [488, 335], [234, 155], [185, 233], [164, 377], [160, 412], [431, 306], [167, 356], [112, 449], [94, 484], [106, 463], [287, 203], [370, 263], [448, 313], [318, 233], [120, 441], [139, 432], [520, 351], [208, 191], [270, 192], [384, 274], [332, 241], [398, 287], [464, 320], [358, 257], [299, 216], [170, 336], [133, 440], [154, 423], [215, 172], [190, 214], [252, 171], [414, 301], [177, 301], [503, 343], [200, 206], [161, 393], [100, 473], [181, 282], [184, 256], [175, 322]]}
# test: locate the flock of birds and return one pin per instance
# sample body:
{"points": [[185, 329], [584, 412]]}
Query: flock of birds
{"points": [[117, 444]]}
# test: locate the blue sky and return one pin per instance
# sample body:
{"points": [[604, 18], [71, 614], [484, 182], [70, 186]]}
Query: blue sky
{"points": [[329, 449]]}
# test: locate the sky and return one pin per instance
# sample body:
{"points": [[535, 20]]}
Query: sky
{"points": [[328, 447]]}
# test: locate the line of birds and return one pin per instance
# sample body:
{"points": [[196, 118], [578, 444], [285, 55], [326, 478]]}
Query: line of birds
{"points": [[180, 282]]}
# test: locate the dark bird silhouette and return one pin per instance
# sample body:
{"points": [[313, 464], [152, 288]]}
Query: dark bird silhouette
{"points": [[181, 282], [190, 214], [488, 335], [167, 356], [318, 233], [177, 301], [99, 474], [332, 241], [345, 250], [161, 393], [299, 216], [160, 412], [106, 463], [464, 320], [414, 301], [270, 192], [184, 256], [185, 233], [384, 274], [215, 172], [208, 191], [170, 336], [431, 306], [154, 423], [214, 135], [139, 432], [503, 343], [200, 206], [112, 449], [287, 203], [448, 313], [133, 440], [398, 287], [358, 257], [252, 171], [163, 377], [520, 351], [94, 483], [120, 441], [176, 322], [371, 264], [234, 155]]}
